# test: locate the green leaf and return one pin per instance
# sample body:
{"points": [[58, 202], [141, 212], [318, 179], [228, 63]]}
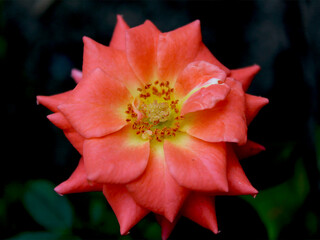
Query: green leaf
{"points": [[35, 236], [276, 206], [43, 236], [153, 231], [46, 207], [317, 144]]}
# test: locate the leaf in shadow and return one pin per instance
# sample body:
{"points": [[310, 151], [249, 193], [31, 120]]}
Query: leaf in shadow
{"points": [[276, 206], [46, 207]]}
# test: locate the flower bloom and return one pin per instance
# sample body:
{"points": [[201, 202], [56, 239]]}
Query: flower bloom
{"points": [[160, 124]]}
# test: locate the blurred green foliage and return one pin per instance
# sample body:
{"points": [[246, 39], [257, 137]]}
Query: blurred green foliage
{"points": [[276, 206], [55, 214], [46, 207]]}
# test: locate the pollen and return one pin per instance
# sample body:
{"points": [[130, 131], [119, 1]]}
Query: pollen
{"points": [[158, 111]]}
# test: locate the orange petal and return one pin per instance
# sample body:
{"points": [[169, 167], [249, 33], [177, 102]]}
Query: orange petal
{"points": [[76, 75], [78, 182], [247, 150], [253, 106], [142, 42], [176, 49], [223, 123], [128, 212], [204, 54], [118, 40], [196, 164], [59, 120], [166, 226], [196, 75], [156, 189], [116, 158], [245, 75], [237, 179], [200, 208], [52, 102], [205, 98], [112, 61], [74, 137], [97, 106]]}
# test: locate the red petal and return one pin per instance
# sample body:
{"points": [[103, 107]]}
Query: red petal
{"points": [[51, 102], [253, 106], [176, 49], [74, 137], [76, 75], [97, 106], [156, 190], [112, 61], [205, 98], [205, 55], [116, 158], [223, 123], [166, 226], [128, 212], [245, 75], [196, 164], [200, 208], [59, 120], [247, 150], [78, 182], [118, 40], [142, 42], [195, 75], [237, 179]]}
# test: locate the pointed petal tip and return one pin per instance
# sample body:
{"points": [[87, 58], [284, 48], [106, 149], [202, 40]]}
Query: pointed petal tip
{"points": [[89, 41], [58, 190], [254, 193], [37, 99], [40, 99], [76, 74], [124, 231], [120, 17]]}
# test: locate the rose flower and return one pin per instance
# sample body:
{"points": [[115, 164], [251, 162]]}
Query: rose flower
{"points": [[160, 124]]}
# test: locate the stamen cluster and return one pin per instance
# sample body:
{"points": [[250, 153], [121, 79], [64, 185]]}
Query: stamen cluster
{"points": [[156, 115]]}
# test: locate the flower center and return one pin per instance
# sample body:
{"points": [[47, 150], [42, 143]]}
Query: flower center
{"points": [[154, 115]]}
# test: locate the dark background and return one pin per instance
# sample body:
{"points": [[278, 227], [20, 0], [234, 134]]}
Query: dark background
{"points": [[41, 41]]}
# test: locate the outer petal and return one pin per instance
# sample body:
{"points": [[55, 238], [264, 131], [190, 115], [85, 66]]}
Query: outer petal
{"points": [[249, 149], [116, 158], [245, 75], [176, 49], [51, 102], [59, 120], [78, 182], [142, 43], [118, 40], [200, 208], [112, 61], [253, 106], [76, 75], [97, 106], [196, 164], [166, 226], [72, 135], [205, 55], [224, 123], [128, 212], [237, 180], [156, 190]]}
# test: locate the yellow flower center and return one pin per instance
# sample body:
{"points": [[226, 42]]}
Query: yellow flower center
{"points": [[154, 115]]}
